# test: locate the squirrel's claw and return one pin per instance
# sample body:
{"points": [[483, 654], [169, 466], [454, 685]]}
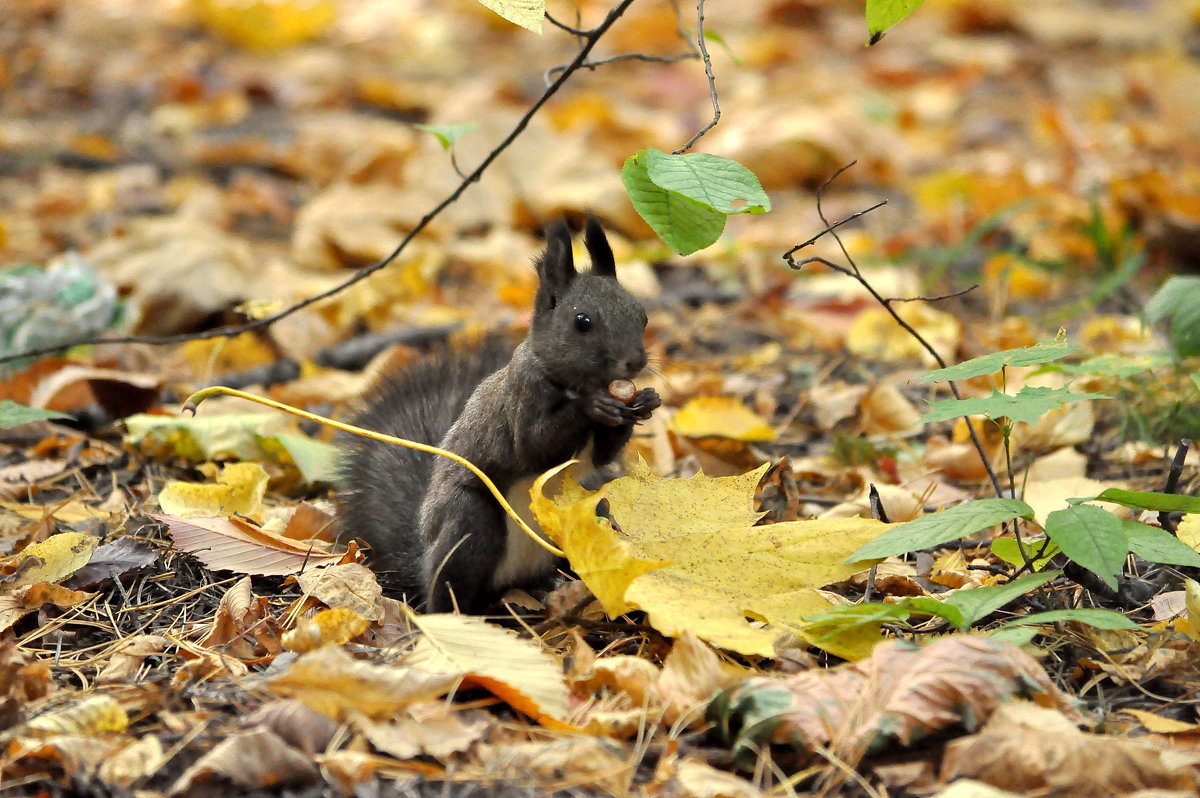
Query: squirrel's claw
{"points": [[644, 404]]}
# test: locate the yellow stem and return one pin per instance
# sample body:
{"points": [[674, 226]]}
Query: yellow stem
{"points": [[199, 396]]}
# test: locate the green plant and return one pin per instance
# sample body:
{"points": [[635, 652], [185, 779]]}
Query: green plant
{"points": [[1085, 533]]}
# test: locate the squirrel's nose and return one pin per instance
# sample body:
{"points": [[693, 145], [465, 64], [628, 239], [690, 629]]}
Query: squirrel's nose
{"points": [[635, 365]]}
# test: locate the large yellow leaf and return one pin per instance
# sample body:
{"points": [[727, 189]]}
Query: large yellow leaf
{"points": [[239, 489], [526, 13], [723, 570], [721, 416]]}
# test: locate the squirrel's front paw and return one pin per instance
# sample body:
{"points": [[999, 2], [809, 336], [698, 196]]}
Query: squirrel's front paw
{"points": [[645, 403], [604, 409]]}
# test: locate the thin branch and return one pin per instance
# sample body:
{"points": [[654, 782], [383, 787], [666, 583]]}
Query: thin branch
{"points": [[612, 59], [563, 26], [712, 81], [1164, 518], [938, 298], [590, 38], [853, 271]]}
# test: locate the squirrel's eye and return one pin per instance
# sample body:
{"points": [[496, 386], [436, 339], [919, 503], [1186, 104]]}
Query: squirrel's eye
{"points": [[583, 322]]}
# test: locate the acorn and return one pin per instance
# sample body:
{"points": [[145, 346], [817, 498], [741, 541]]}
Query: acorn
{"points": [[622, 390]]}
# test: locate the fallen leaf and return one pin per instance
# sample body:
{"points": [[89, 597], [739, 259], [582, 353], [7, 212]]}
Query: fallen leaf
{"points": [[721, 417], [724, 568], [902, 693], [328, 627], [520, 672], [239, 490], [227, 544], [253, 760], [54, 559], [333, 683], [1030, 749]]}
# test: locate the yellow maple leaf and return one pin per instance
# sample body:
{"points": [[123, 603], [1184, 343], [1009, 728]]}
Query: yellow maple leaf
{"points": [[704, 566]]}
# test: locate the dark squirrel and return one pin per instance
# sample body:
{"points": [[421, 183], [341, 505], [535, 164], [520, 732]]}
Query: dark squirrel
{"points": [[437, 534]]}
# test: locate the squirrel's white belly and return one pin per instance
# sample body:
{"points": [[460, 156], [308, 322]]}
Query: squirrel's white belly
{"points": [[522, 557]]}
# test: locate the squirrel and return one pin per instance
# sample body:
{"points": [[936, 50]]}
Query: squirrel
{"points": [[438, 536]]}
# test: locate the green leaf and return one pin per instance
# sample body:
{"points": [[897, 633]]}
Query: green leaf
{"points": [[1101, 619], [448, 135], [526, 13], [719, 183], [1160, 502], [937, 608], [1043, 352], [683, 224], [1009, 550], [1016, 635], [883, 14], [1175, 293], [1030, 404], [1155, 544], [977, 604], [1121, 366], [854, 616], [14, 414], [937, 528], [713, 36], [316, 460], [1185, 328], [1092, 537], [1196, 379]]}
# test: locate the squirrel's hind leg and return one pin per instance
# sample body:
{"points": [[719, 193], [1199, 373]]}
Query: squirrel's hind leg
{"points": [[463, 553]]}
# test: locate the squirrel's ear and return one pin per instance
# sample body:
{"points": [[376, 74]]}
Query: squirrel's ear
{"points": [[601, 253], [556, 266]]}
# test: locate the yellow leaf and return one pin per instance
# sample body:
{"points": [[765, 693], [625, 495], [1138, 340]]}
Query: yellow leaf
{"points": [[722, 566], [526, 13], [266, 24], [1160, 725], [1192, 597], [54, 559], [240, 489], [875, 334], [604, 561], [333, 683], [90, 715], [1004, 269], [1189, 531], [517, 670], [328, 627], [722, 417]]}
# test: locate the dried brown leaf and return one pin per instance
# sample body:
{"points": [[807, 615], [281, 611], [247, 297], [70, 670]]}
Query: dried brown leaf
{"points": [[255, 759], [332, 682], [1033, 750]]}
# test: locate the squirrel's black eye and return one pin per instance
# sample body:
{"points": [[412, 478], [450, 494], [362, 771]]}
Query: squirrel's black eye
{"points": [[583, 322]]}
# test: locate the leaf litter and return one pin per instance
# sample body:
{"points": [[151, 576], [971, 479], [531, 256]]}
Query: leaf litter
{"points": [[139, 655]]}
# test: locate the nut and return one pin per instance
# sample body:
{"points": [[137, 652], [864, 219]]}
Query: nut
{"points": [[622, 390]]}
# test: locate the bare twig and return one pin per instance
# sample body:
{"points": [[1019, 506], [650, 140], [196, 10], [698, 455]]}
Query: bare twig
{"points": [[1164, 518], [853, 271], [712, 81], [590, 38]]}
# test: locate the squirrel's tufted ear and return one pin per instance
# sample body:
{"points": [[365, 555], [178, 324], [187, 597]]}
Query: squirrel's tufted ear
{"points": [[556, 266], [603, 263]]}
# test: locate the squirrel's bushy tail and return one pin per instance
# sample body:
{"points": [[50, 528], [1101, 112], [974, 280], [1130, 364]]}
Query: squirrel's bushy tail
{"points": [[382, 485]]}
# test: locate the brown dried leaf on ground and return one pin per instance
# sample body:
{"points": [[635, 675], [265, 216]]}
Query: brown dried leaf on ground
{"points": [[347, 586], [126, 660], [299, 725], [578, 762], [332, 682], [427, 730], [902, 693], [16, 603], [677, 693], [1037, 751], [255, 759], [229, 544], [244, 626]]}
